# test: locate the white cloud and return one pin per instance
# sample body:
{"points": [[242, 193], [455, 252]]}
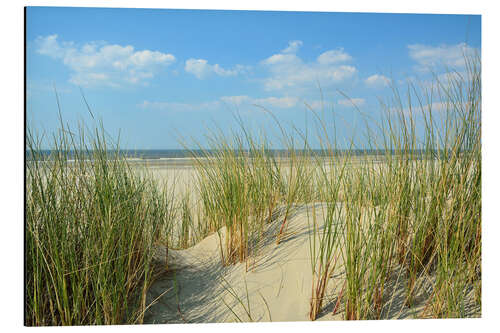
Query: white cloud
{"points": [[333, 57], [201, 68], [428, 57], [198, 67], [287, 70], [49, 46], [377, 81], [99, 63], [293, 46], [280, 59], [277, 102], [352, 102]]}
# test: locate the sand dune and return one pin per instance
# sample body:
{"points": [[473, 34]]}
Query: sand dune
{"points": [[273, 285]]}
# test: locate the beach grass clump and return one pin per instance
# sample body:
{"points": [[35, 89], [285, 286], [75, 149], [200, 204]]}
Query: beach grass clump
{"points": [[325, 238], [414, 216], [91, 225], [224, 194], [238, 189], [438, 197], [324, 248], [244, 186]]}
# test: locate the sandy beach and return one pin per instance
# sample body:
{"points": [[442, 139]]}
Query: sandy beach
{"points": [[273, 284]]}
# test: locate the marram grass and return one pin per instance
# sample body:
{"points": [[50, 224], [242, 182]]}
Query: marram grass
{"points": [[90, 228], [415, 215]]}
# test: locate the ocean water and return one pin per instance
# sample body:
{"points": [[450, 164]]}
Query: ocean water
{"points": [[144, 154], [158, 154]]}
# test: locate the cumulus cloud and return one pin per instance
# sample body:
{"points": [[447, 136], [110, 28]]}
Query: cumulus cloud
{"points": [[428, 57], [352, 102], [377, 81], [281, 59], [333, 57], [287, 70], [201, 68], [99, 63], [198, 67]]}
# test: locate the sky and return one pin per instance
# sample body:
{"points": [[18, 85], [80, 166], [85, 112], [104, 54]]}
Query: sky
{"points": [[159, 78]]}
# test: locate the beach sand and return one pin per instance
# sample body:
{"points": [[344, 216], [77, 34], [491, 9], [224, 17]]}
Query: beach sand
{"points": [[274, 284]]}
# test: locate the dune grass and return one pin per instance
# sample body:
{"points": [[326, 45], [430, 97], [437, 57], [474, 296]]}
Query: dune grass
{"points": [[90, 228], [243, 187], [417, 215]]}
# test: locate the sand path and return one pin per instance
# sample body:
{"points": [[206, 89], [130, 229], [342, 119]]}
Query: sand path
{"points": [[276, 285]]}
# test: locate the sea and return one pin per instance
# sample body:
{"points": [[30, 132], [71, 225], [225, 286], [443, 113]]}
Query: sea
{"points": [[159, 154]]}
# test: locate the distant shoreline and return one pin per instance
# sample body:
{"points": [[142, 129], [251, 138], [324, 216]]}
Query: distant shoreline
{"points": [[181, 156]]}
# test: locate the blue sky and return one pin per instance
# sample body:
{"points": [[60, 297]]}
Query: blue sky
{"points": [[157, 75]]}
